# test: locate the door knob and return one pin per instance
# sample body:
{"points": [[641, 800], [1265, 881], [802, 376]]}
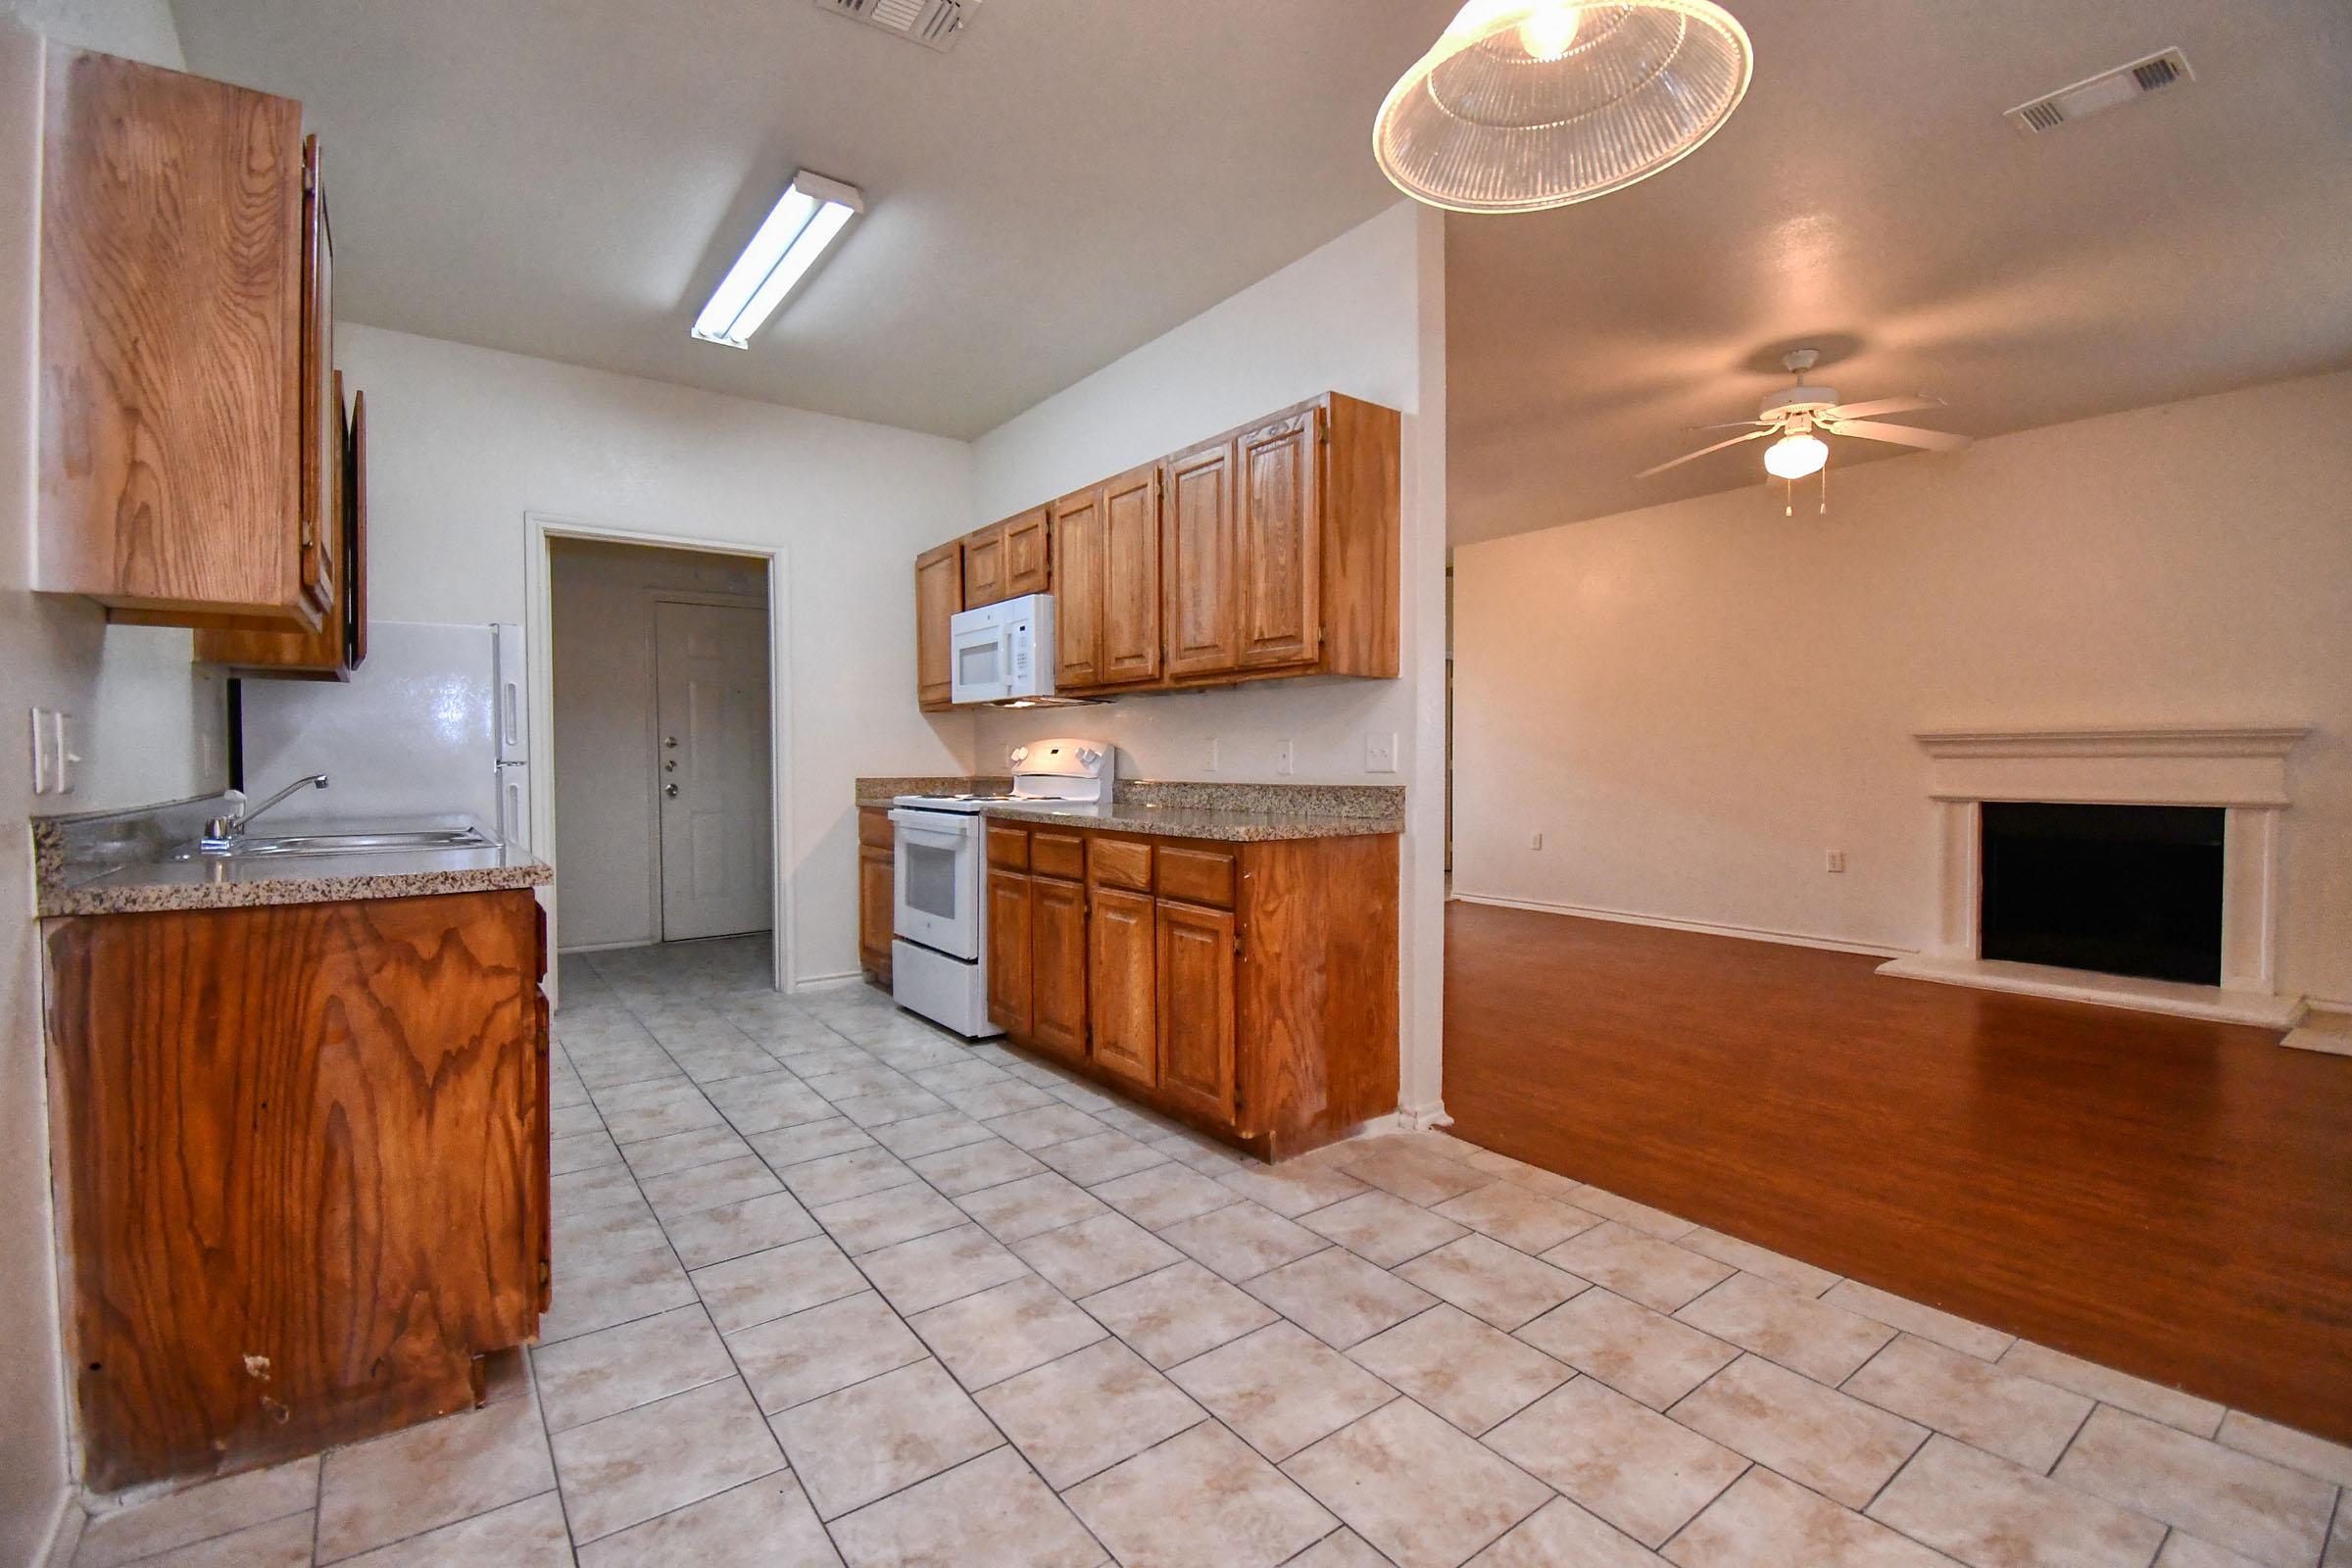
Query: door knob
{"points": [[669, 742], [669, 789]]}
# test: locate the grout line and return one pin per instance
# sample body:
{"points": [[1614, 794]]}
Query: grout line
{"points": [[2072, 1440], [1701, 1511]]}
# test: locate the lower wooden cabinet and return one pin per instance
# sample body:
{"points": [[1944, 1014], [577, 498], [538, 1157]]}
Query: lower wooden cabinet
{"points": [[1248, 989], [876, 892]]}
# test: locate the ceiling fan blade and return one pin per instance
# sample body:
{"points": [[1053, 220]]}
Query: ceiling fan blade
{"points": [[1734, 425], [1752, 435], [1903, 435], [1877, 407]]}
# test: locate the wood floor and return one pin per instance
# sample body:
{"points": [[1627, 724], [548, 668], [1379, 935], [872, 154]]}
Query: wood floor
{"points": [[2171, 1198]]}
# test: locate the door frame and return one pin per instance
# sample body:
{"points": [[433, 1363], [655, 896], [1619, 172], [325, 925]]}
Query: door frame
{"points": [[541, 530], [654, 597]]}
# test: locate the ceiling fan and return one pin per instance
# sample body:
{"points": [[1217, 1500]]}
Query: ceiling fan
{"points": [[1803, 413]]}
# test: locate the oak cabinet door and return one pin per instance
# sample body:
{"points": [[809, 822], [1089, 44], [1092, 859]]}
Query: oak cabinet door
{"points": [[938, 595], [1277, 549], [1131, 577], [1197, 562], [1122, 957], [874, 921], [1196, 1007], [1008, 953], [1027, 549], [1057, 974], [984, 568], [1078, 590]]}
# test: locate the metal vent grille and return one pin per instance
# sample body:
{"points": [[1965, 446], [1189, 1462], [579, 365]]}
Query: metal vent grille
{"points": [[935, 23], [2107, 90]]}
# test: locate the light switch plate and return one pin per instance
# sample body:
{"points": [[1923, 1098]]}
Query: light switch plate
{"points": [[1285, 763], [1380, 752]]}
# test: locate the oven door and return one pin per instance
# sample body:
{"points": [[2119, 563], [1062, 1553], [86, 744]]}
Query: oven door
{"points": [[980, 657], [936, 881]]}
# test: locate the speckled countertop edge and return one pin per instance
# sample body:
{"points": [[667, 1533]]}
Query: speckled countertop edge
{"points": [[148, 897], [1222, 826]]}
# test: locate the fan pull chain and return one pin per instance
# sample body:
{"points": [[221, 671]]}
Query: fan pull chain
{"points": [[1788, 505], [1825, 489]]}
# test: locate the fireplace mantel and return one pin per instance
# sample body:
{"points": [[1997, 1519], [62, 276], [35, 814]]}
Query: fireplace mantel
{"points": [[2241, 767]]}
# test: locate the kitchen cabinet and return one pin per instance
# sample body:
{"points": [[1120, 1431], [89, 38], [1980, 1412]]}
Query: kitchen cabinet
{"points": [[1277, 539], [1058, 967], [984, 566], [300, 1168], [1009, 951], [876, 892], [190, 432], [1077, 529], [1107, 582], [1195, 1022], [1196, 568], [1028, 552], [938, 595], [1121, 966]]}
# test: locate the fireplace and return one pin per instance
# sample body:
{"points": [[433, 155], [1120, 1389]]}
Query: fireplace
{"points": [[2126, 890]]}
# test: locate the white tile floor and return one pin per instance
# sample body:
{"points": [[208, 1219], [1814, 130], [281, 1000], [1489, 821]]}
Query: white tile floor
{"points": [[833, 1287]]}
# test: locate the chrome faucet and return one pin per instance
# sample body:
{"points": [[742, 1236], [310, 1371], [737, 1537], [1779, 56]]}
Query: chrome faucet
{"points": [[222, 833]]}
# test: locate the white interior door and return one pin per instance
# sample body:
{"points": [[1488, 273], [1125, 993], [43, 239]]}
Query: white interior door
{"points": [[712, 769]]}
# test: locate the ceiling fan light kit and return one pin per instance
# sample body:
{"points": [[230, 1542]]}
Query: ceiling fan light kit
{"points": [[1523, 105]]}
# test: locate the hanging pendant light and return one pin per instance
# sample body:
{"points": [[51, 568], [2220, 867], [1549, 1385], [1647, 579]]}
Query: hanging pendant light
{"points": [[1529, 104]]}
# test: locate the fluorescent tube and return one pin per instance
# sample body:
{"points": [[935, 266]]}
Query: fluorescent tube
{"points": [[808, 216]]}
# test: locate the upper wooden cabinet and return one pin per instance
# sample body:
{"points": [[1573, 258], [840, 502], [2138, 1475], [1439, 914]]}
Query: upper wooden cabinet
{"points": [[1107, 582], [938, 595], [984, 566], [190, 431], [1278, 537], [1028, 549], [1196, 575], [1078, 590]]}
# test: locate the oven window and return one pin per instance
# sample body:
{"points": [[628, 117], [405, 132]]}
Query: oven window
{"points": [[930, 879], [977, 664]]}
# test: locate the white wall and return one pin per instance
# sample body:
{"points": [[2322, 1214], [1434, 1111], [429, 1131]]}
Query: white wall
{"points": [[149, 731], [1362, 316], [1695, 702], [463, 442], [604, 727]]}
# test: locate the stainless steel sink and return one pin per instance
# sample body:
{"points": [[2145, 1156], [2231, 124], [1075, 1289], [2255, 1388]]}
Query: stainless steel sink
{"points": [[438, 838]]}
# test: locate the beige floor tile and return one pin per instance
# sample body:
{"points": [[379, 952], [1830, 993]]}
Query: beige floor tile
{"points": [[1282, 1388], [1342, 1549], [199, 1513], [1241, 1241], [1202, 1499], [633, 1466], [506, 1375], [1498, 1284], [762, 1524], [1291, 1190], [1838, 1445], [1338, 1297], [687, 1192], [738, 1230], [1382, 1228], [582, 1191], [1625, 1211], [393, 1487], [850, 1175], [1993, 1514], [1164, 1196], [929, 1134], [596, 1292], [1046, 1125], [530, 1534], [1516, 1216], [874, 1438], [1561, 1535], [1636, 1265], [763, 1104], [1535, 1178], [969, 1168], [1469, 1372], [799, 1275], [638, 1112], [1415, 1488], [804, 1142], [1779, 1324], [279, 1543], [2017, 1417], [704, 1146], [2201, 1417], [1768, 1521], [612, 1231], [2297, 1451], [882, 1219], [1100, 1156], [868, 1077], [932, 1270], [578, 1116], [1030, 1206], [1095, 1253], [1416, 1175], [1177, 1313], [2234, 1500], [1778, 1267], [1617, 1458], [991, 1512], [581, 1151], [790, 1360], [1087, 1412], [998, 1333], [1927, 1322], [614, 1369], [1644, 1354], [989, 1100], [2187, 1552]]}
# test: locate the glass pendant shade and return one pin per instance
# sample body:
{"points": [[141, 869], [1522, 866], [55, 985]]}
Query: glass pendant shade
{"points": [[1793, 457], [1529, 104]]}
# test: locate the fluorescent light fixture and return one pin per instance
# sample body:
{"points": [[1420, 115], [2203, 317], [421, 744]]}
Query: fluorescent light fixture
{"points": [[808, 216]]}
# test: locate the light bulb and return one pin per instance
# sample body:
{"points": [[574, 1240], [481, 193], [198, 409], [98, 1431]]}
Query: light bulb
{"points": [[1548, 31], [1793, 457]]}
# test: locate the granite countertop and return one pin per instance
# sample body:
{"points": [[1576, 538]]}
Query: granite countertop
{"points": [[1223, 824], [129, 863], [1231, 813]]}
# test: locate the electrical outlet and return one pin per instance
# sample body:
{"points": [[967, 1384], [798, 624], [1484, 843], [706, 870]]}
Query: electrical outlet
{"points": [[1534, 841], [1285, 763], [1834, 862], [53, 753], [1380, 753], [1208, 757]]}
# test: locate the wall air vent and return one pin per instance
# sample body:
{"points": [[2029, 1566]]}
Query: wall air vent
{"points": [[2102, 93], [935, 23]]}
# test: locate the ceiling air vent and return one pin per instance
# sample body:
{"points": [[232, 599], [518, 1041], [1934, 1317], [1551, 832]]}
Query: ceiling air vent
{"points": [[2103, 91], [936, 23]]}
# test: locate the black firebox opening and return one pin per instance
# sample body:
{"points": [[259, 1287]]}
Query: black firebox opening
{"points": [[2132, 890]]}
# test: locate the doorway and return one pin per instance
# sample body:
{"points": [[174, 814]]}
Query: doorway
{"points": [[663, 773]]}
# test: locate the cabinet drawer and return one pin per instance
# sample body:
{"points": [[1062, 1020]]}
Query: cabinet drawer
{"points": [[874, 827], [1009, 848], [1196, 876], [1057, 855], [1120, 863]]}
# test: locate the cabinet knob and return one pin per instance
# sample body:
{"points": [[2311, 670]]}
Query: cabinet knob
{"points": [[669, 789]]}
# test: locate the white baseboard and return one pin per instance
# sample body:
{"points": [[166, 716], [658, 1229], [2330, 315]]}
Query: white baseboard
{"points": [[1423, 1119], [605, 947], [65, 1532], [1711, 928], [809, 982]]}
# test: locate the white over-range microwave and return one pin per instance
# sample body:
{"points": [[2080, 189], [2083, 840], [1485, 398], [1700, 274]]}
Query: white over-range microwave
{"points": [[1004, 653]]}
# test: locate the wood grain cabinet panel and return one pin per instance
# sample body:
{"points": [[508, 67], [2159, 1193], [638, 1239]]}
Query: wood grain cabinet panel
{"points": [[1131, 577], [938, 597], [1278, 537], [1009, 953], [1078, 591], [1122, 958], [1058, 967], [301, 1163], [876, 894], [984, 566], [1197, 576], [1196, 1007], [1196, 876], [1058, 853], [1028, 552], [1007, 848]]}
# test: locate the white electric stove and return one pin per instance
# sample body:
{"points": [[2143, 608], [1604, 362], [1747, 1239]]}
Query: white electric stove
{"points": [[938, 961]]}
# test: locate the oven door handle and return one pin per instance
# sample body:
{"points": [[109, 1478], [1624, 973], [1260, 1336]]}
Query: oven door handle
{"points": [[915, 825]]}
